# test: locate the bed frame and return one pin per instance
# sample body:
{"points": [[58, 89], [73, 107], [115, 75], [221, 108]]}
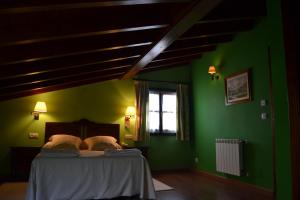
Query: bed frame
{"points": [[82, 128]]}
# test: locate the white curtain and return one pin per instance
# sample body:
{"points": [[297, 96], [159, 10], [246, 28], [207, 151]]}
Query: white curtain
{"points": [[183, 121], [142, 101]]}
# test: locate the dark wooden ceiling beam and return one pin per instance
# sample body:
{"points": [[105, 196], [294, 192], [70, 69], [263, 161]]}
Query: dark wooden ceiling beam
{"points": [[79, 35], [27, 27], [41, 74], [19, 71], [61, 80], [55, 49], [128, 54], [74, 54], [17, 7], [91, 70], [59, 86], [14, 35], [197, 11]]}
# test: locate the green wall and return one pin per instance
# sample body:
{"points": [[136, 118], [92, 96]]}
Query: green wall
{"points": [[213, 119], [166, 152], [216, 120], [103, 102]]}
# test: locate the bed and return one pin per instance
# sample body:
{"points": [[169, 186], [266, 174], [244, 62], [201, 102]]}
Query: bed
{"points": [[92, 174]]}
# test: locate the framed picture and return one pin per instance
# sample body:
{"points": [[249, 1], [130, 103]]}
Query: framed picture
{"points": [[237, 88]]}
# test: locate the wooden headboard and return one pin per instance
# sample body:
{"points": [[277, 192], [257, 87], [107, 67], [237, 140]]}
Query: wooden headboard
{"points": [[82, 128]]}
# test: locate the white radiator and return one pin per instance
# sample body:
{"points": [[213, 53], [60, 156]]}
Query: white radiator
{"points": [[229, 156]]}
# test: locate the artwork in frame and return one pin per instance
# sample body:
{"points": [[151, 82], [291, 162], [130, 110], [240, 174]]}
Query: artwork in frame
{"points": [[237, 88]]}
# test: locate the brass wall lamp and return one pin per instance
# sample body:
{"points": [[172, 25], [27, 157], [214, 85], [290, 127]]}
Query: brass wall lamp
{"points": [[212, 71], [130, 113]]}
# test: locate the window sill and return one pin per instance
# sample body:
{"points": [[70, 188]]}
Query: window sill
{"points": [[162, 134]]}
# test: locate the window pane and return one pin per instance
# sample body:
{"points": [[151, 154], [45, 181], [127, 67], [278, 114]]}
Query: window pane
{"points": [[154, 121], [153, 102], [154, 112], [169, 112], [169, 122], [169, 103]]}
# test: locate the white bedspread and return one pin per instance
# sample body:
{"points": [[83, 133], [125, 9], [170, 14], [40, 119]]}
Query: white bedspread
{"points": [[59, 153], [89, 177]]}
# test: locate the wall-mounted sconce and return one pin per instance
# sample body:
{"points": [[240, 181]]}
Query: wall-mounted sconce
{"points": [[130, 113], [40, 107], [212, 72]]}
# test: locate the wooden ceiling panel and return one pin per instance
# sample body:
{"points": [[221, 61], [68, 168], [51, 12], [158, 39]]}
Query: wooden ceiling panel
{"points": [[183, 58], [45, 71], [194, 12], [213, 28], [200, 42], [164, 66], [61, 80], [62, 73], [28, 26], [60, 48], [236, 9], [57, 86], [127, 56], [55, 44], [183, 52], [16, 6]]}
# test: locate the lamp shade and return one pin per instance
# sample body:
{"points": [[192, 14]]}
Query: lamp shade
{"points": [[130, 111], [40, 106], [211, 69]]}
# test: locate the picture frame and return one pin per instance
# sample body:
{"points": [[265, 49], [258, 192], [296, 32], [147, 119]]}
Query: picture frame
{"points": [[238, 88]]}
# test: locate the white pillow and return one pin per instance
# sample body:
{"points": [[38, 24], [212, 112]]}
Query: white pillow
{"points": [[63, 141], [100, 143]]}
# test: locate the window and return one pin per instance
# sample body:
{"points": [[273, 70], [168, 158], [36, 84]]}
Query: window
{"points": [[162, 112]]}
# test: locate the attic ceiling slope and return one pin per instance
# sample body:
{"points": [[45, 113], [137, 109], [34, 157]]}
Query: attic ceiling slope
{"points": [[52, 45]]}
